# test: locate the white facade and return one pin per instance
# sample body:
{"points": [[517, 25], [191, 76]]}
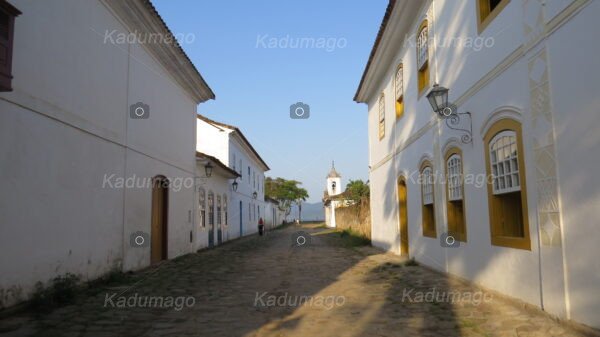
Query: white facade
{"points": [[230, 146], [334, 187], [538, 72], [213, 212], [67, 139], [273, 215]]}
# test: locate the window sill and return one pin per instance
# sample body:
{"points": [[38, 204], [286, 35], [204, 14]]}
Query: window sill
{"points": [[483, 24], [429, 234], [512, 242], [458, 236]]}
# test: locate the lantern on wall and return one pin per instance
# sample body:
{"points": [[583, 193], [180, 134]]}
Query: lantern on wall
{"points": [[438, 99], [208, 168]]}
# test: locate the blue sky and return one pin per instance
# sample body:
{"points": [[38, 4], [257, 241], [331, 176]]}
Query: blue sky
{"points": [[255, 85]]}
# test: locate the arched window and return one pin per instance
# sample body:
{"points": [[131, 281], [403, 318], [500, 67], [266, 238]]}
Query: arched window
{"points": [[507, 194], [211, 208], [225, 215], [427, 196], [399, 90], [455, 195], [219, 210], [381, 116], [202, 207], [423, 57]]}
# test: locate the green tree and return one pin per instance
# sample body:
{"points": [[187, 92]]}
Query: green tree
{"points": [[356, 190], [287, 192]]}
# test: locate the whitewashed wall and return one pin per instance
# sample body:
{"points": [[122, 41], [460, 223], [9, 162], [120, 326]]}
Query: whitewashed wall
{"points": [[245, 190], [573, 70], [64, 127], [219, 185], [534, 275], [225, 145]]}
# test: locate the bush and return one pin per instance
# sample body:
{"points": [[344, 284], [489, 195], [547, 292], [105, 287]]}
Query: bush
{"points": [[62, 290]]}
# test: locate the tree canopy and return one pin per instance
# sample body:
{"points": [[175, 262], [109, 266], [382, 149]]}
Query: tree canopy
{"points": [[287, 192], [357, 190]]}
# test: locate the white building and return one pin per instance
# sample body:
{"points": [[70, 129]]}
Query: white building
{"points": [[214, 194], [525, 70], [84, 177], [334, 187], [274, 216], [228, 144]]}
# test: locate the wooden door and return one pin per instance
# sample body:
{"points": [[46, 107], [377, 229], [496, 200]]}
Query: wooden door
{"points": [[403, 216], [160, 210]]}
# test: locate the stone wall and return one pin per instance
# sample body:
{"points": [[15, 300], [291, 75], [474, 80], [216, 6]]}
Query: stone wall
{"points": [[356, 217]]}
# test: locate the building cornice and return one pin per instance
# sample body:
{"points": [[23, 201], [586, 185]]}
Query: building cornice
{"points": [[398, 20], [140, 16]]}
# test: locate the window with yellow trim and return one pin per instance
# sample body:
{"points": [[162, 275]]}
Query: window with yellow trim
{"points": [[507, 192], [427, 198], [399, 90], [455, 195], [423, 57], [381, 116], [487, 10]]}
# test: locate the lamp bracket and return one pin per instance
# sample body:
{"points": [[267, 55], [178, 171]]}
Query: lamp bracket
{"points": [[453, 121]]}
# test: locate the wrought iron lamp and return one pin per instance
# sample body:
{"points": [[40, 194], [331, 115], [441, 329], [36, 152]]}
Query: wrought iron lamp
{"points": [[208, 168], [438, 99]]}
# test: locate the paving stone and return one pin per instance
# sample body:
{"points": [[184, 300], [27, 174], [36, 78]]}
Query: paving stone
{"points": [[225, 282]]}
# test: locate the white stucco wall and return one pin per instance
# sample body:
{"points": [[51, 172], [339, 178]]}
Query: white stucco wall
{"points": [[212, 140], [65, 128], [224, 144], [218, 185], [573, 71], [273, 216], [55, 216], [561, 279]]}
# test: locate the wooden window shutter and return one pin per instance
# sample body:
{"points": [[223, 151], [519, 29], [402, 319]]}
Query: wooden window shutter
{"points": [[8, 13]]}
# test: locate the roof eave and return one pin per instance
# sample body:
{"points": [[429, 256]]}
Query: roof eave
{"points": [[243, 138], [229, 173], [382, 27], [141, 16], [397, 21]]}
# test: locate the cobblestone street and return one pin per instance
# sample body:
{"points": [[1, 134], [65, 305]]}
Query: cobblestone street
{"points": [[249, 287]]}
